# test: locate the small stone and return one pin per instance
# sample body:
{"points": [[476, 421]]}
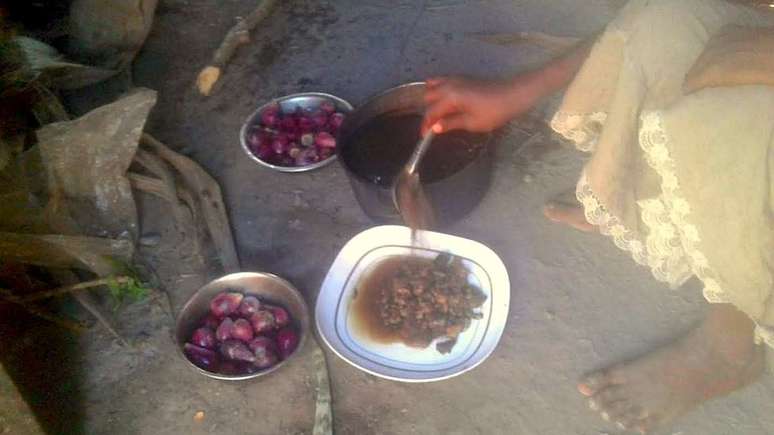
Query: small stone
{"points": [[150, 239], [528, 178], [550, 315]]}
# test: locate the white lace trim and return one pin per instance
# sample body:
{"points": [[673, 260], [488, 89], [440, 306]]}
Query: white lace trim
{"points": [[581, 128], [653, 140], [660, 250], [609, 225], [764, 335], [666, 257]]}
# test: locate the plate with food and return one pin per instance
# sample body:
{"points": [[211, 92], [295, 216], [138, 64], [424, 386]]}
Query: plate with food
{"points": [[413, 311]]}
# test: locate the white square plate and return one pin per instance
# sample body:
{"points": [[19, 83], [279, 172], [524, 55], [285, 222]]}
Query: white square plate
{"points": [[397, 361]]}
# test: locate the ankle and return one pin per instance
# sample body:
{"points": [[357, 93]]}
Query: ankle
{"points": [[729, 334]]}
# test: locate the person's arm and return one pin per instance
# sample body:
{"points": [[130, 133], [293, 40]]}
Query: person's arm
{"points": [[735, 56], [558, 73], [474, 105]]}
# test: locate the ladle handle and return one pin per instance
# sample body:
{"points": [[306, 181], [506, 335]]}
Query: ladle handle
{"points": [[419, 151]]}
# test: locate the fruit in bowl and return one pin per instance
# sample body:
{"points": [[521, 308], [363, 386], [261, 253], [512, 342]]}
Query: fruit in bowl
{"points": [[291, 135], [240, 335]]}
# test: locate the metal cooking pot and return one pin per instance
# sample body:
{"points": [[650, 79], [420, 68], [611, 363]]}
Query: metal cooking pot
{"points": [[453, 197]]}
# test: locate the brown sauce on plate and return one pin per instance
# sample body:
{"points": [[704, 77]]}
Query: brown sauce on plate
{"points": [[416, 300], [366, 302]]}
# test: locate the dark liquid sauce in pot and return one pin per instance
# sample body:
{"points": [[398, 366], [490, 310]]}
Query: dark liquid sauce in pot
{"points": [[382, 146]]}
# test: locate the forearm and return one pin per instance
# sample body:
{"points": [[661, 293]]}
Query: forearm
{"points": [[558, 73], [552, 76]]}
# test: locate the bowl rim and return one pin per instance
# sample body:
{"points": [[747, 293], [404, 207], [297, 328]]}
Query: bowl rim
{"points": [[302, 333], [340, 103]]}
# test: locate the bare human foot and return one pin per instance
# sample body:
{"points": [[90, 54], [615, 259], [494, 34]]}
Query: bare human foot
{"points": [[567, 214], [716, 358]]}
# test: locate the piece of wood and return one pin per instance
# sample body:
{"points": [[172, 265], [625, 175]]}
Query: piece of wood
{"points": [[60, 251], [158, 167], [239, 34], [92, 305], [89, 302], [8, 296], [185, 195], [323, 412], [59, 291], [207, 78], [163, 187], [180, 212], [150, 185], [209, 197]]}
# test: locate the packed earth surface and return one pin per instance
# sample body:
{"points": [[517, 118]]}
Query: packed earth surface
{"points": [[577, 302]]}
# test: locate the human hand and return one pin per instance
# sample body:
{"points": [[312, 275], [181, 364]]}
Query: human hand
{"points": [[476, 105]]}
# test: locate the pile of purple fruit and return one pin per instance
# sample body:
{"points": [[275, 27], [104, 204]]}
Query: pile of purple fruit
{"points": [[296, 138], [241, 335]]}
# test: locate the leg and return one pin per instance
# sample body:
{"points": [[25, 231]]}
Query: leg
{"points": [[716, 358], [565, 209], [567, 214]]}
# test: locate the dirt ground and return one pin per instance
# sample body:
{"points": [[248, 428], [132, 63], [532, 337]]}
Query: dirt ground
{"points": [[577, 303]]}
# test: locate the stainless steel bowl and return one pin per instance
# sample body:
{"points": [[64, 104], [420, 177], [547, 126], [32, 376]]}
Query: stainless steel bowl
{"points": [[266, 287], [306, 100]]}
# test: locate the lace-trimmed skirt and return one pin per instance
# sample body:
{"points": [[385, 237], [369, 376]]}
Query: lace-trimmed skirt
{"points": [[684, 183]]}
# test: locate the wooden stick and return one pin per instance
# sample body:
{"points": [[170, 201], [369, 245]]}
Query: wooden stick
{"points": [[165, 189], [59, 291], [150, 185], [64, 252], [323, 413], [236, 36], [172, 195], [210, 200], [89, 302], [189, 201], [7, 296]]}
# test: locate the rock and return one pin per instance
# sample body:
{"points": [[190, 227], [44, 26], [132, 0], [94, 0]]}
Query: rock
{"points": [[150, 240]]}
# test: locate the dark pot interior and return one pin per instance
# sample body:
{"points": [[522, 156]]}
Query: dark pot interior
{"points": [[377, 139]]}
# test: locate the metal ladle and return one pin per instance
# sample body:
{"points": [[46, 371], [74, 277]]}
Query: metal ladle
{"points": [[407, 193]]}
